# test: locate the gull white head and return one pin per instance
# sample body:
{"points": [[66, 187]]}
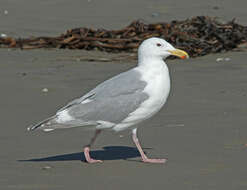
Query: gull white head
{"points": [[159, 49]]}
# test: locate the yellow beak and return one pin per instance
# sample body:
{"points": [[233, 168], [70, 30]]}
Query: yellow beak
{"points": [[179, 53]]}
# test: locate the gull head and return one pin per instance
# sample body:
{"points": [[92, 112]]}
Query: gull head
{"points": [[159, 49]]}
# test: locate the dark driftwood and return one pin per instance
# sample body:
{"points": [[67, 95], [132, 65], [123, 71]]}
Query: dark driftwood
{"points": [[198, 36]]}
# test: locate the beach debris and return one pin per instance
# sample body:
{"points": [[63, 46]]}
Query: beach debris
{"points": [[242, 46], [45, 90], [6, 12], [3, 35], [199, 36], [46, 167], [155, 14], [219, 59], [216, 7], [23, 74]]}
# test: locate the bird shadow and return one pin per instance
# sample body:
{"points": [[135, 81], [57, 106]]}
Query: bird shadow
{"points": [[108, 153]]}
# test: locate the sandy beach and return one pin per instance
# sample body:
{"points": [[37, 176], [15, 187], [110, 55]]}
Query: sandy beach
{"points": [[201, 130]]}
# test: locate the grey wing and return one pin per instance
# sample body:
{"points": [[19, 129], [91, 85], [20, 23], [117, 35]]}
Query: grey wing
{"points": [[111, 101]]}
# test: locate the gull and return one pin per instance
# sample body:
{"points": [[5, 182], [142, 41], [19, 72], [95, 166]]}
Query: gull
{"points": [[124, 101]]}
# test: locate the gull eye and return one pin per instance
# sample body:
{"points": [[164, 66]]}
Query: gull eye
{"points": [[158, 44]]}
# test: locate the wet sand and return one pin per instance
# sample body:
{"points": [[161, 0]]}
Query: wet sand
{"points": [[201, 130]]}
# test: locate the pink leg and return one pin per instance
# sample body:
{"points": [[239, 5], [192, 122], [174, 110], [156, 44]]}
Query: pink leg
{"points": [[144, 157], [87, 149], [88, 158]]}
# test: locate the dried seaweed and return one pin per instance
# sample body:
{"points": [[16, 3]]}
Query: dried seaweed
{"points": [[199, 36]]}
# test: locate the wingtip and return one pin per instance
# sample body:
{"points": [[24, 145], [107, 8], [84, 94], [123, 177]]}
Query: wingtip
{"points": [[33, 127], [30, 128], [40, 124]]}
